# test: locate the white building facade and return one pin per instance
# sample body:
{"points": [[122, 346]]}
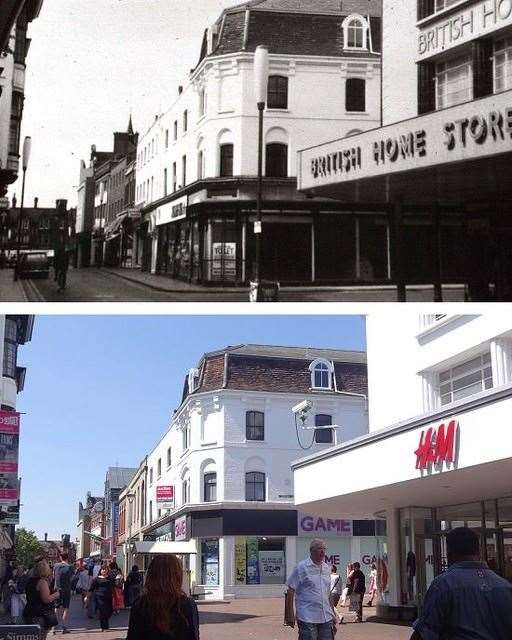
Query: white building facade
{"points": [[220, 477], [434, 167], [437, 455], [197, 163]]}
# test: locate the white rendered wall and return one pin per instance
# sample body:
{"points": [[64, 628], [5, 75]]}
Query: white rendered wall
{"points": [[8, 386], [399, 72], [316, 113], [6, 82], [398, 350]]}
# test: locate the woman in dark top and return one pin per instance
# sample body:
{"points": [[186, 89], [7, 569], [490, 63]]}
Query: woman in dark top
{"points": [[102, 588], [132, 586], [40, 607], [164, 612]]}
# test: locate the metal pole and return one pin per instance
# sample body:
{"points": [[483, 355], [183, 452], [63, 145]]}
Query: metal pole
{"points": [[261, 108], [436, 230], [399, 256], [18, 244]]}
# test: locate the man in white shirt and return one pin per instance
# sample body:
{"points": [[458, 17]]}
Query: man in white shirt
{"points": [[309, 588]]}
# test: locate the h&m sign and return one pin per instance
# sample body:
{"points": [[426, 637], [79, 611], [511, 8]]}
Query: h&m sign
{"points": [[437, 446]]}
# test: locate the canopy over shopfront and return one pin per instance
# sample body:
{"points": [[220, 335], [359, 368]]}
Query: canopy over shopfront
{"points": [[165, 546]]}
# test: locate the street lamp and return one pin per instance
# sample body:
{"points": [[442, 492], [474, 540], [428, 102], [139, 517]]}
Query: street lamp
{"points": [[261, 66], [27, 146], [130, 497]]}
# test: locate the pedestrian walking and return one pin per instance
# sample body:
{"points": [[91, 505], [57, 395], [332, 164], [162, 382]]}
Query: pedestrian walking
{"points": [[101, 589], [164, 611], [60, 266], [40, 607], [468, 600], [372, 588], [344, 593], [18, 598], [83, 583], [308, 599], [132, 586], [116, 576], [63, 573], [356, 589]]}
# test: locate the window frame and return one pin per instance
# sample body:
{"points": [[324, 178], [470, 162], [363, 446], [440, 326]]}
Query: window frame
{"points": [[159, 469], [506, 52], [323, 428], [253, 414], [277, 161], [169, 457], [363, 27], [485, 364], [229, 159], [442, 70], [353, 93], [206, 477], [252, 482], [314, 366], [280, 94]]}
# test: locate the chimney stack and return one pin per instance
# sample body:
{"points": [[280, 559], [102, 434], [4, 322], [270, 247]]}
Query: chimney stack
{"points": [[36, 200], [180, 90], [46, 537]]}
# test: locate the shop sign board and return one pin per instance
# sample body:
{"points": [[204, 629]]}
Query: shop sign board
{"points": [[165, 496], [224, 260], [321, 527], [9, 445], [180, 529], [463, 25], [437, 446], [477, 129], [253, 572], [171, 211], [272, 567], [240, 561], [20, 632]]}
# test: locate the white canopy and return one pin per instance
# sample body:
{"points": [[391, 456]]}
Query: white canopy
{"points": [[177, 548]]}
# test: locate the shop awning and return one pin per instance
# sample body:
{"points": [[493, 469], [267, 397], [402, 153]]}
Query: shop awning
{"points": [[113, 227], [177, 548]]}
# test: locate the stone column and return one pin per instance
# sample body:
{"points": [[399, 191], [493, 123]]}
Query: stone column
{"points": [[501, 361]]}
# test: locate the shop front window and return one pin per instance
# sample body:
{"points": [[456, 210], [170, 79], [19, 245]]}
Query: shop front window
{"points": [[210, 562], [260, 560], [220, 249], [417, 554]]}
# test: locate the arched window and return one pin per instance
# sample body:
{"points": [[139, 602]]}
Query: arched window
{"points": [[277, 95], [185, 489], [200, 164], [323, 436], [321, 374], [355, 94], [255, 486], [210, 487], [254, 425], [226, 160], [276, 160], [355, 32]]}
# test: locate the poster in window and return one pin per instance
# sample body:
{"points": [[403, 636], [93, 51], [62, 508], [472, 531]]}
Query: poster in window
{"points": [[240, 561], [9, 441], [272, 567], [210, 562], [253, 572], [224, 260]]}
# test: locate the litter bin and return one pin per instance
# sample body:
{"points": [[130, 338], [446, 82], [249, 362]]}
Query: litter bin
{"points": [[264, 291]]}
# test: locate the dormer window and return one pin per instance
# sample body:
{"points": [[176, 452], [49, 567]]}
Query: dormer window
{"points": [[355, 32], [321, 374], [193, 376]]}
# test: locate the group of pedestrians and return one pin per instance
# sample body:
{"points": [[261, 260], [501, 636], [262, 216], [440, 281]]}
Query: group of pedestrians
{"points": [[468, 601]]}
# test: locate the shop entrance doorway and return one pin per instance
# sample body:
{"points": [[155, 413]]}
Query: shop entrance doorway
{"points": [[286, 252]]}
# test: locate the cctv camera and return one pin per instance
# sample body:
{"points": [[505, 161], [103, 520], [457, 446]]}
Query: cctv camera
{"points": [[303, 407]]}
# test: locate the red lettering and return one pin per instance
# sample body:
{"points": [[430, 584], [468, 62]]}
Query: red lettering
{"points": [[436, 446]]}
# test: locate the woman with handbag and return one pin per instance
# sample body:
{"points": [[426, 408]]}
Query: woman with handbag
{"points": [[164, 611], [40, 607]]}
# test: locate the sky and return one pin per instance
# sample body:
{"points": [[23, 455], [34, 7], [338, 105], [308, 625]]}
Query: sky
{"points": [[93, 62], [100, 392]]}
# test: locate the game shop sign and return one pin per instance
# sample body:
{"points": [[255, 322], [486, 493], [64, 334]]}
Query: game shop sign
{"points": [[464, 132]]}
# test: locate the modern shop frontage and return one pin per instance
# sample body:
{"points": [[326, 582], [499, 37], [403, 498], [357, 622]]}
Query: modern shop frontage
{"points": [[441, 182], [447, 469], [248, 553]]}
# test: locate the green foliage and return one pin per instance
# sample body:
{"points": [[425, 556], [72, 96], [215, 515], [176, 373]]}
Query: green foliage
{"points": [[27, 546]]}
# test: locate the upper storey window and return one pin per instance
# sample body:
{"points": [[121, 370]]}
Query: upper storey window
{"points": [[428, 7], [277, 92], [355, 32], [321, 374], [454, 82]]}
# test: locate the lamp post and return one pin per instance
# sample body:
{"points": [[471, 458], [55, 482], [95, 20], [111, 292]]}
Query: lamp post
{"points": [[130, 497], [27, 146], [261, 66]]}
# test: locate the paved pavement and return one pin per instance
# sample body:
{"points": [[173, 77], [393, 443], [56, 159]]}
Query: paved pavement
{"points": [[258, 619], [123, 285]]}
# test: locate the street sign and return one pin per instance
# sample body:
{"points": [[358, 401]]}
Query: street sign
{"points": [[20, 632]]}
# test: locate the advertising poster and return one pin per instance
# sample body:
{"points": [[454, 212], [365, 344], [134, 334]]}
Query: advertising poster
{"points": [[224, 260], [210, 553], [180, 529], [115, 525], [240, 561], [9, 444], [272, 567], [253, 572], [165, 496]]}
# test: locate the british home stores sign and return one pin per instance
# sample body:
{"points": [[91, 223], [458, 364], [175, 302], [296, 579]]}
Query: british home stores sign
{"points": [[463, 25], [472, 130]]}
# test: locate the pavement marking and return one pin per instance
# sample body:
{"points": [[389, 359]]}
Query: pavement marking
{"points": [[30, 285]]}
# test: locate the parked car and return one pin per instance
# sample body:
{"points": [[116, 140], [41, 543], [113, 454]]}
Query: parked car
{"points": [[33, 265]]}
